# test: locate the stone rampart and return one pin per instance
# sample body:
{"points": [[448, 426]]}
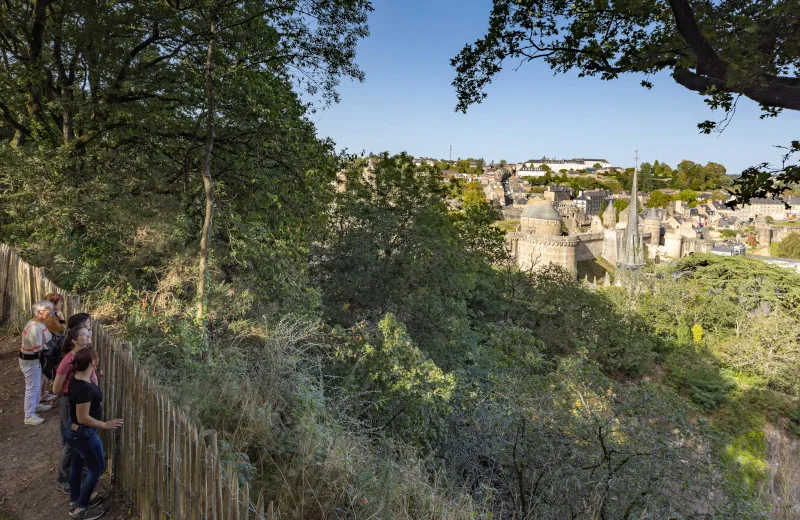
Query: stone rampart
{"points": [[590, 246]]}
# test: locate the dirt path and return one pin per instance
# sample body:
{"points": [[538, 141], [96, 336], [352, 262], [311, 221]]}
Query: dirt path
{"points": [[29, 454]]}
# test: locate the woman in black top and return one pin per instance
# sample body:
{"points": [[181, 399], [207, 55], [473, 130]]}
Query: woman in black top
{"points": [[86, 414]]}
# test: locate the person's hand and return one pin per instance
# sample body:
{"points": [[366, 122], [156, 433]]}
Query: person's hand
{"points": [[113, 424]]}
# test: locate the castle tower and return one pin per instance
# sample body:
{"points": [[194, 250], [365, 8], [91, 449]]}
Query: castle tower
{"points": [[763, 231], [631, 253], [541, 218], [610, 217], [652, 225]]}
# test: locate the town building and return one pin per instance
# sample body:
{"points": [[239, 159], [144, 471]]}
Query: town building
{"points": [[762, 207], [558, 193], [567, 164]]}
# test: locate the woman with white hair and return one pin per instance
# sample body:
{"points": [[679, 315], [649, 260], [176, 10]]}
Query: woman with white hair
{"points": [[34, 336]]}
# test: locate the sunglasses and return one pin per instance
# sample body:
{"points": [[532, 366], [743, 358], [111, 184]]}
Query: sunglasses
{"points": [[87, 334]]}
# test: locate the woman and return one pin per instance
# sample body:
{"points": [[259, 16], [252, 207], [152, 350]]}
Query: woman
{"points": [[81, 319], [86, 412], [55, 322], [76, 339], [56, 325], [34, 337]]}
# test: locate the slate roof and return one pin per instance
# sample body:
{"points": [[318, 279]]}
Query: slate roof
{"points": [[540, 209]]}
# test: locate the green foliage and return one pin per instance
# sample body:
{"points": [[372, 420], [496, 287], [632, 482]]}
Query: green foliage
{"points": [[470, 165], [551, 301], [699, 379], [789, 247], [473, 193], [659, 199], [556, 435], [395, 248], [689, 197], [643, 38], [620, 205], [404, 390], [101, 183]]}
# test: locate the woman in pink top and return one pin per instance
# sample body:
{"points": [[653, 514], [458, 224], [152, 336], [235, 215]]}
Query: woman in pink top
{"points": [[76, 339]]}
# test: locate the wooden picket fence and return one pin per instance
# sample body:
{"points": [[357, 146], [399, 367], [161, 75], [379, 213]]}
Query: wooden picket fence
{"points": [[161, 463]]}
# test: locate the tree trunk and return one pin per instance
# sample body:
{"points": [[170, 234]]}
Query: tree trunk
{"points": [[208, 186]]}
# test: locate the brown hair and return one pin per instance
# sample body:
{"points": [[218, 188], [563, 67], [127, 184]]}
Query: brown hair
{"points": [[54, 298], [78, 319], [68, 343], [84, 358]]}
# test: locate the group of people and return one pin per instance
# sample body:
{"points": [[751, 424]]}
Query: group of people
{"points": [[80, 398]]}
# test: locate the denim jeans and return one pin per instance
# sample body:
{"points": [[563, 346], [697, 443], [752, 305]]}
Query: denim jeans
{"points": [[87, 450], [66, 449], [32, 371]]}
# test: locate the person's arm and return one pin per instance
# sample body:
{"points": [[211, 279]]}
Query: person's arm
{"points": [[58, 383], [82, 411]]}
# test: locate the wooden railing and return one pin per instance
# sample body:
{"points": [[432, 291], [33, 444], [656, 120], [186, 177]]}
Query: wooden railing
{"points": [[162, 465]]}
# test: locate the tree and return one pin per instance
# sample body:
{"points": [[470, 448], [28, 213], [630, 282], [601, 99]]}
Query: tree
{"points": [[620, 205], [658, 199], [473, 193], [394, 247], [789, 247], [93, 110], [688, 196], [646, 180], [721, 50], [718, 50]]}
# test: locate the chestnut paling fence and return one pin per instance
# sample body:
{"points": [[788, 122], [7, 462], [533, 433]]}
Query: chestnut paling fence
{"points": [[161, 464]]}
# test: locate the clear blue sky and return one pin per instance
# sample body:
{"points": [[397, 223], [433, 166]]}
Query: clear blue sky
{"points": [[407, 104]]}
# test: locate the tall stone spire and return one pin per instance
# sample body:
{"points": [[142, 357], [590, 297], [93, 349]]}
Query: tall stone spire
{"points": [[631, 252]]}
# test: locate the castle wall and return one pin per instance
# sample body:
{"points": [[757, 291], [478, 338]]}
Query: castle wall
{"points": [[696, 245], [535, 252], [610, 241], [763, 233], [590, 246], [780, 233], [673, 245], [653, 227]]}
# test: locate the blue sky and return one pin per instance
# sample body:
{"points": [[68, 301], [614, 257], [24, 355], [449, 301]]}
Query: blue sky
{"points": [[407, 104]]}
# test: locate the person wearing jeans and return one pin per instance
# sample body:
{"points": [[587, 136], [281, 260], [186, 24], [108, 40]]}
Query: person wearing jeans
{"points": [[34, 337], [86, 413], [77, 338]]}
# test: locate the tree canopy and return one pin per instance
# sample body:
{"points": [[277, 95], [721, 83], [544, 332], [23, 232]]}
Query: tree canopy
{"points": [[719, 49]]}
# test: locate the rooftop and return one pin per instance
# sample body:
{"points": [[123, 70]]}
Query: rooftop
{"points": [[540, 209]]}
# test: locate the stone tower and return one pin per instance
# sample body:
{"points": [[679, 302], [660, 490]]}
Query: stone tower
{"points": [[610, 217], [631, 253], [763, 231], [541, 218], [652, 225]]}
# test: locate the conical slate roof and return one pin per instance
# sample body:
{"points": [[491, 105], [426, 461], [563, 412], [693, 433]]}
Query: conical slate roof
{"points": [[540, 209], [651, 214], [610, 210]]}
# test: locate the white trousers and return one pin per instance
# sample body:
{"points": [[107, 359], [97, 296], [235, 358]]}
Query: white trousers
{"points": [[32, 371]]}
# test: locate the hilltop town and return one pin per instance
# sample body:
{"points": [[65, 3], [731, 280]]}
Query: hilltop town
{"points": [[571, 211]]}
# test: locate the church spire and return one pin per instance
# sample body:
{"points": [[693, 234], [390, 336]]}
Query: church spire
{"points": [[631, 254]]}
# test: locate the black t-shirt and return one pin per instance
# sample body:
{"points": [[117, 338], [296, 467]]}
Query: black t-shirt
{"points": [[83, 392]]}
